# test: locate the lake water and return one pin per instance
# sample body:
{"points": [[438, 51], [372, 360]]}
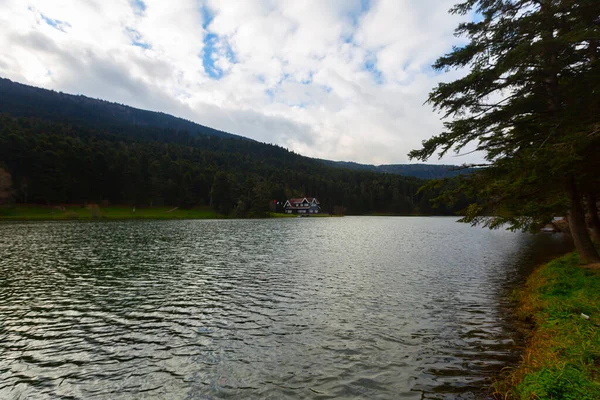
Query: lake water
{"points": [[315, 308]]}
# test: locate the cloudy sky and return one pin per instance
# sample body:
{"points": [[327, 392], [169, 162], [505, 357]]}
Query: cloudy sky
{"points": [[335, 79]]}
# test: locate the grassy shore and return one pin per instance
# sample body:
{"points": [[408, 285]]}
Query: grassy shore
{"points": [[41, 213], [90, 212], [562, 357]]}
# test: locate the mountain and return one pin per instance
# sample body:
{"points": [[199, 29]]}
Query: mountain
{"points": [[421, 171], [22, 100], [65, 149], [29, 101]]}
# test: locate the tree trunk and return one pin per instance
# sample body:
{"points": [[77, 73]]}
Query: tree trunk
{"points": [[581, 238], [592, 209]]}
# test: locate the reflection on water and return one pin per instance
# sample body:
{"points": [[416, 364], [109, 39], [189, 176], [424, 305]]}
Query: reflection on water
{"points": [[293, 308]]}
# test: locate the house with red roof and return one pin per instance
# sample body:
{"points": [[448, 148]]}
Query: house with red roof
{"points": [[302, 205]]}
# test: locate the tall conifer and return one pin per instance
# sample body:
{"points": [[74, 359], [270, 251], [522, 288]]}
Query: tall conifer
{"points": [[530, 104]]}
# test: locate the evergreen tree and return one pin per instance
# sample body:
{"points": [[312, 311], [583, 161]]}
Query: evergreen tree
{"points": [[530, 104], [6, 190], [220, 195]]}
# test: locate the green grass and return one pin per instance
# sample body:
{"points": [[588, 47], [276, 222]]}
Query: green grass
{"points": [[74, 212], [562, 357], [30, 212]]}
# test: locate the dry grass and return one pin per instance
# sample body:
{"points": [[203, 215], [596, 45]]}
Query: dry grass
{"points": [[595, 266]]}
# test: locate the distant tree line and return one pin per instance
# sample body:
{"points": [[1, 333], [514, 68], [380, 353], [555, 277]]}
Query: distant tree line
{"points": [[422, 171], [59, 163]]}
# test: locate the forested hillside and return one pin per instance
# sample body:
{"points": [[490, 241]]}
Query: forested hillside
{"points": [[56, 163], [422, 171], [28, 101], [65, 149]]}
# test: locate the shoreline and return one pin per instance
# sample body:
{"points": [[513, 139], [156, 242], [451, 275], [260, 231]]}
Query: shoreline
{"points": [[120, 213], [92, 212], [560, 301]]}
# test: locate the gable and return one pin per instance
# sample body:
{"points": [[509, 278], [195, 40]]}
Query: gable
{"points": [[302, 202]]}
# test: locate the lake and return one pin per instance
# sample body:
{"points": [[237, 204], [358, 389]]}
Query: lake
{"points": [[314, 308]]}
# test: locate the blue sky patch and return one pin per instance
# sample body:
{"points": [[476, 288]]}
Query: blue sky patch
{"points": [[136, 39], [141, 44], [478, 17], [365, 5], [207, 16], [208, 61], [214, 47], [371, 66], [55, 23], [309, 80], [139, 7], [230, 54], [270, 94]]}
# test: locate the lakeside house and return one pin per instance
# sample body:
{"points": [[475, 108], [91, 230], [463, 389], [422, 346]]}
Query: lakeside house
{"points": [[303, 205]]}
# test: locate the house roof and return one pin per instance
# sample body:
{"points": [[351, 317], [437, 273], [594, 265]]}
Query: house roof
{"points": [[301, 199], [289, 204]]}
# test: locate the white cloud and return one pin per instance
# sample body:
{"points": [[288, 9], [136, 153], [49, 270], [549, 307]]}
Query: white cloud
{"points": [[336, 79]]}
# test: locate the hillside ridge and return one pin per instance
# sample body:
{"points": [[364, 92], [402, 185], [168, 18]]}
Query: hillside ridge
{"points": [[22, 100]]}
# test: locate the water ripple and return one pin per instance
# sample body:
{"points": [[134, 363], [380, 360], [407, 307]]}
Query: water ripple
{"points": [[304, 308]]}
